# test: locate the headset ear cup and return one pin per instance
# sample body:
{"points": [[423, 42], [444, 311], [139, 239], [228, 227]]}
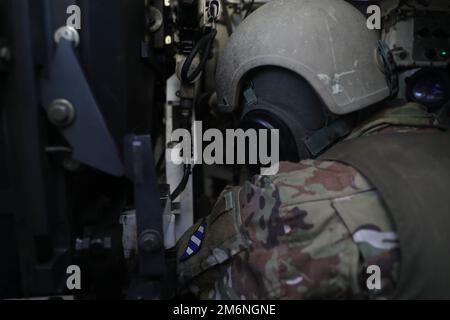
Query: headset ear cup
{"points": [[277, 98], [262, 119]]}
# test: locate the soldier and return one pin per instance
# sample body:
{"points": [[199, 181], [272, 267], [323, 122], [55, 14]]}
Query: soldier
{"points": [[320, 229]]}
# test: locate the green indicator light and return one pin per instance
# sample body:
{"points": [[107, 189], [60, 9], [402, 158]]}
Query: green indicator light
{"points": [[443, 53]]}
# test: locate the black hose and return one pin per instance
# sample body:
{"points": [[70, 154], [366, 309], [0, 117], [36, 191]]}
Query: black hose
{"points": [[205, 43], [183, 183]]}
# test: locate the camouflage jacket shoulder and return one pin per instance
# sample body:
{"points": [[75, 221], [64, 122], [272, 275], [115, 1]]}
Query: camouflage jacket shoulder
{"points": [[296, 231], [408, 117]]}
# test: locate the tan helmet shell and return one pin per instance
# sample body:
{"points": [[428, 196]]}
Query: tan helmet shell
{"points": [[325, 41]]}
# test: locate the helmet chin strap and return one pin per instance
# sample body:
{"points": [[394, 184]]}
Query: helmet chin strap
{"points": [[322, 139]]}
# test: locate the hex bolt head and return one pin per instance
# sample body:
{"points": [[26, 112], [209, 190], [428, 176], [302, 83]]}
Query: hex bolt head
{"points": [[71, 164], [68, 33], [150, 241], [5, 54], [61, 113], [155, 19]]}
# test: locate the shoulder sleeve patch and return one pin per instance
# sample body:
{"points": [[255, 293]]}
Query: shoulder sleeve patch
{"points": [[194, 243]]}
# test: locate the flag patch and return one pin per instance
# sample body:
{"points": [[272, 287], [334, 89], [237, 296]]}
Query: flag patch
{"points": [[194, 242]]}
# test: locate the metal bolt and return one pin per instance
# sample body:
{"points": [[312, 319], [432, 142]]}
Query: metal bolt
{"points": [[68, 33], [71, 164], [61, 113], [150, 241], [155, 19], [5, 54]]}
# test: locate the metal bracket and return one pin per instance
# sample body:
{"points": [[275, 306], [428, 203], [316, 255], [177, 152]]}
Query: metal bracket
{"points": [[87, 132], [140, 168]]}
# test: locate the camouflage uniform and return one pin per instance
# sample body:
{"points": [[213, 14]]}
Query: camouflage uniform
{"points": [[309, 232]]}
